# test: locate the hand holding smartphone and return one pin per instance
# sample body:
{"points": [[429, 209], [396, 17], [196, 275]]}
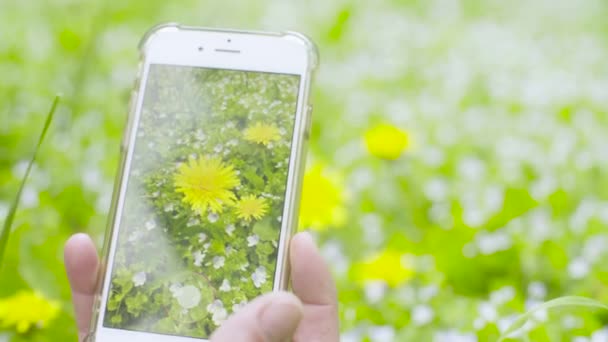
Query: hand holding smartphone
{"points": [[207, 194]]}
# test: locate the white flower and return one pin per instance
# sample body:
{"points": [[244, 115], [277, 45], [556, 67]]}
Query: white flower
{"points": [[374, 291], [422, 314], [600, 335], [490, 243], [215, 306], [253, 240], [537, 290], [187, 296], [437, 189], [168, 207], [193, 222], [150, 225], [199, 135], [139, 279], [202, 237], [133, 237], [487, 311], [578, 268], [425, 293], [198, 258], [230, 229], [218, 312], [244, 266], [384, 333], [502, 295], [239, 306], [213, 217], [218, 262], [225, 286], [174, 288], [453, 336], [259, 276]]}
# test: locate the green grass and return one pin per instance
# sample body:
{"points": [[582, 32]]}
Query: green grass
{"points": [[8, 221]]}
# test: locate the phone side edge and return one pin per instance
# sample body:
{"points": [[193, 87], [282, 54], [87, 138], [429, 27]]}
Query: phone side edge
{"points": [[282, 276], [118, 182]]}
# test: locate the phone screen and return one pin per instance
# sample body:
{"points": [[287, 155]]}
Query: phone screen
{"points": [[201, 216]]}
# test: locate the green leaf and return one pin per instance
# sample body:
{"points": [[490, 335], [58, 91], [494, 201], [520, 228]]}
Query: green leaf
{"points": [[340, 24], [561, 302], [6, 228], [264, 230]]}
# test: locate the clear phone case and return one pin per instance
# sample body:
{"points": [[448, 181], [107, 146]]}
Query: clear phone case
{"points": [[298, 165]]}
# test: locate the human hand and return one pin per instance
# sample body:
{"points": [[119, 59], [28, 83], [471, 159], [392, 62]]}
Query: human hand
{"points": [[309, 314]]}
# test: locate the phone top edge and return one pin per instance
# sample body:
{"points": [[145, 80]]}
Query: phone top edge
{"points": [[301, 38]]}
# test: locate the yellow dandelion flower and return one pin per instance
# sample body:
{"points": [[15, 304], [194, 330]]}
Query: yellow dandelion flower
{"points": [[251, 207], [389, 266], [322, 202], [262, 133], [386, 141], [25, 310], [206, 183]]}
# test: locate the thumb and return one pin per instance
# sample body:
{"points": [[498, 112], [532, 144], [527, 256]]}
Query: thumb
{"points": [[273, 317]]}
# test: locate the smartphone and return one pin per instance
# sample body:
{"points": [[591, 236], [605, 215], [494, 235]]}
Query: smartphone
{"points": [[206, 197]]}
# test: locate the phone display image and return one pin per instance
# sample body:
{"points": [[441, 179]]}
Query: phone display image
{"points": [[201, 216]]}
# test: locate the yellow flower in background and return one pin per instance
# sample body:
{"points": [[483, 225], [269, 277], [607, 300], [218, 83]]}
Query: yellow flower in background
{"points": [[322, 202], [262, 133], [389, 266], [25, 310], [386, 141], [251, 207], [206, 183]]}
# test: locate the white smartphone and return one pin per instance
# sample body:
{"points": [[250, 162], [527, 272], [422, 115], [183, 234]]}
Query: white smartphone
{"points": [[206, 197]]}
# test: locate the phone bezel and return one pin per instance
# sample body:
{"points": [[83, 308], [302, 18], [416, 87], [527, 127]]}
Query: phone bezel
{"points": [[286, 54]]}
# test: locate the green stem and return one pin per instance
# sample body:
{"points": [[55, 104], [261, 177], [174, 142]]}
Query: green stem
{"points": [[6, 228]]}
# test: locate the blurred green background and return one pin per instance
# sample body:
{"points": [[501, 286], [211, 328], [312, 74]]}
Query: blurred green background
{"points": [[498, 201]]}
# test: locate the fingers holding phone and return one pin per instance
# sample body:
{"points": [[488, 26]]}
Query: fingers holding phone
{"points": [[309, 316]]}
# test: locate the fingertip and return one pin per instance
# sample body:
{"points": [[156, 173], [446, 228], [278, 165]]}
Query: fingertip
{"points": [[280, 318], [81, 262], [311, 278], [272, 317], [81, 265], [77, 242], [303, 240]]}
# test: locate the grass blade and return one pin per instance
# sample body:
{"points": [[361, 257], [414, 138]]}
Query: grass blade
{"points": [[6, 227], [561, 302]]}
